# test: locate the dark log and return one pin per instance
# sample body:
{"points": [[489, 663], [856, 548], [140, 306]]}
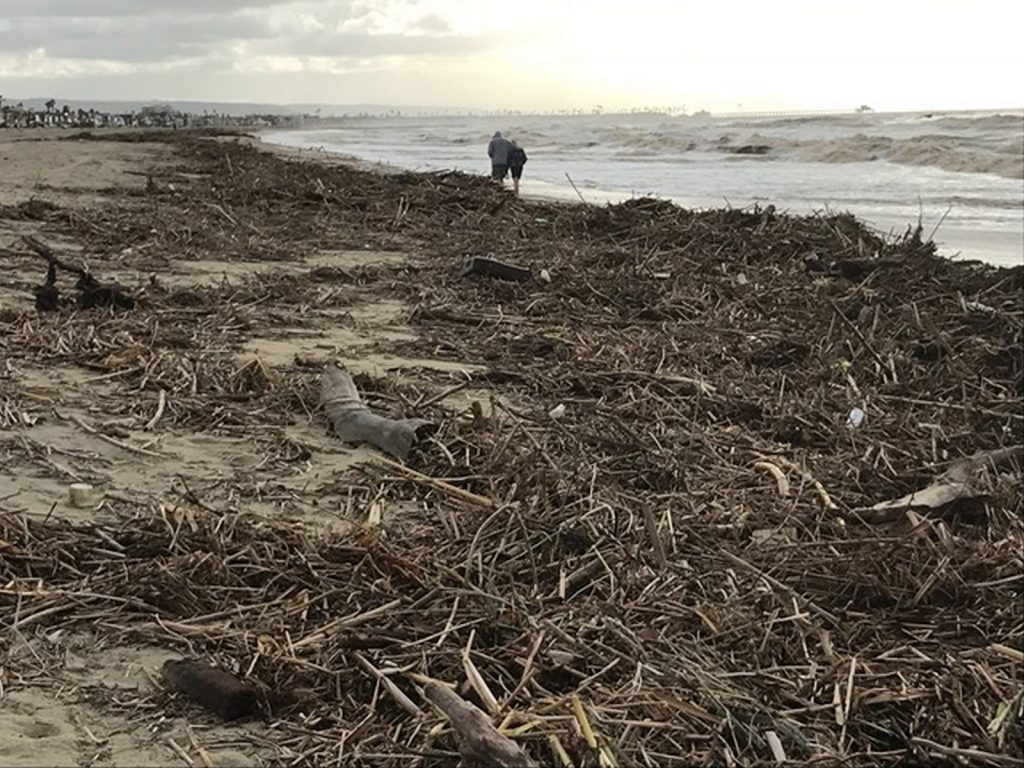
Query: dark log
{"points": [[47, 253], [480, 743], [478, 265], [93, 292], [354, 422], [218, 691], [47, 294]]}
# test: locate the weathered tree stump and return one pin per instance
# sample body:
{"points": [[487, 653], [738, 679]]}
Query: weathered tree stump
{"points": [[354, 422]]}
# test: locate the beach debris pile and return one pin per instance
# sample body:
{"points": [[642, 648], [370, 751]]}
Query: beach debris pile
{"points": [[697, 562]]}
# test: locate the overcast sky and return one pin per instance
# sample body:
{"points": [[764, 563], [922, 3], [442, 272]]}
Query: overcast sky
{"points": [[521, 54]]}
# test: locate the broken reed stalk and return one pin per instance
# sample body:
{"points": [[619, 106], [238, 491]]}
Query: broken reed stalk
{"points": [[457, 494]]}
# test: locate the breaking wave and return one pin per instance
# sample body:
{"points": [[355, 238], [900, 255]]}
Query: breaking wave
{"points": [[949, 153], [991, 146], [990, 143]]}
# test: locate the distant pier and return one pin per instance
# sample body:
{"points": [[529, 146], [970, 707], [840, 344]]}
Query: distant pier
{"points": [[794, 113]]}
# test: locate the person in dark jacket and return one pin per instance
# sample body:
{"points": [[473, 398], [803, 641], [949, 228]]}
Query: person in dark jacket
{"points": [[516, 161], [498, 150]]}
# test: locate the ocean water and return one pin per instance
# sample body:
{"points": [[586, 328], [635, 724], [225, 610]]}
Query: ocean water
{"points": [[960, 174]]}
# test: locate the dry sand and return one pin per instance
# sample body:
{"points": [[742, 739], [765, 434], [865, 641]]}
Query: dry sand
{"points": [[50, 720]]}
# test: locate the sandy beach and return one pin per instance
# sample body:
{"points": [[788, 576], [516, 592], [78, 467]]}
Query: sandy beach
{"points": [[692, 553]]}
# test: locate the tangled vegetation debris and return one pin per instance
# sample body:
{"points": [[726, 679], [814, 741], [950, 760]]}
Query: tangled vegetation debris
{"points": [[682, 569]]}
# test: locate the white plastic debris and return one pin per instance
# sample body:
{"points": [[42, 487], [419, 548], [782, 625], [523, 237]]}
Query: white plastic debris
{"points": [[977, 306], [557, 412], [775, 744], [855, 419], [82, 495], [741, 279], [545, 276]]}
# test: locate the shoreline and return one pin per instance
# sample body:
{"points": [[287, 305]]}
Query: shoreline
{"points": [[637, 469], [994, 244]]}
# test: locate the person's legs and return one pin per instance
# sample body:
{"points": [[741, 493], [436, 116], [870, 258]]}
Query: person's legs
{"points": [[517, 173], [498, 171]]}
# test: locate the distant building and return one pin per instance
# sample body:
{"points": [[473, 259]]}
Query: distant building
{"points": [[152, 116]]}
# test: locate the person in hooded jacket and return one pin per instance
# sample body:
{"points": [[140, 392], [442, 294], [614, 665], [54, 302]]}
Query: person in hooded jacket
{"points": [[516, 161], [498, 150]]}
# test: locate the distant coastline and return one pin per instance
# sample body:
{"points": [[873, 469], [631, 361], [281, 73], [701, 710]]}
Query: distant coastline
{"points": [[17, 115], [207, 113]]}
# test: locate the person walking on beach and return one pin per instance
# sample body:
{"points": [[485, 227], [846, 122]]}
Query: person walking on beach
{"points": [[516, 161], [498, 150]]}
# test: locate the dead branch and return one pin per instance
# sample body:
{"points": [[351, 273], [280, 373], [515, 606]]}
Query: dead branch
{"points": [[480, 743], [354, 422], [969, 478]]}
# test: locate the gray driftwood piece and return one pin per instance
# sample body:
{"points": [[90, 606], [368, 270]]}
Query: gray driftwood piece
{"points": [[480, 743], [478, 265], [354, 422], [969, 478]]}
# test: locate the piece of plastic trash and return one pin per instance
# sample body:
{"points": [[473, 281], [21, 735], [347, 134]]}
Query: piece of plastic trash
{"points": [[977, 306], [557, 412], [82, 495], [545, 276], [741, 279], [855, 419]]}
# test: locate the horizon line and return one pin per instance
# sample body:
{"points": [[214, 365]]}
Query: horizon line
{"points": [[593, 110]]}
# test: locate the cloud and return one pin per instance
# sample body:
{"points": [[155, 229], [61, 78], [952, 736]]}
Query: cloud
{"points": [[432, 23], [147, 32], [370, 46], [121, 8], [128, 39]]}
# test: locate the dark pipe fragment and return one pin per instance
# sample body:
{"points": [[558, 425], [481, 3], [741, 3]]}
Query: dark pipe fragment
{"points": [[478, 265], [218, 691]]}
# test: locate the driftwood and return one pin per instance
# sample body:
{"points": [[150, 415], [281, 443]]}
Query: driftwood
{"points": [[478, 265], [480, 743], [93, 293], [356, 423], [969, 478], [218, 691], [48, 253], [47, 294]]}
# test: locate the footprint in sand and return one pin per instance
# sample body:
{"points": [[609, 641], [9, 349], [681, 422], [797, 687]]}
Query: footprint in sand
{"points": [[29, 741], [36, 729]]}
